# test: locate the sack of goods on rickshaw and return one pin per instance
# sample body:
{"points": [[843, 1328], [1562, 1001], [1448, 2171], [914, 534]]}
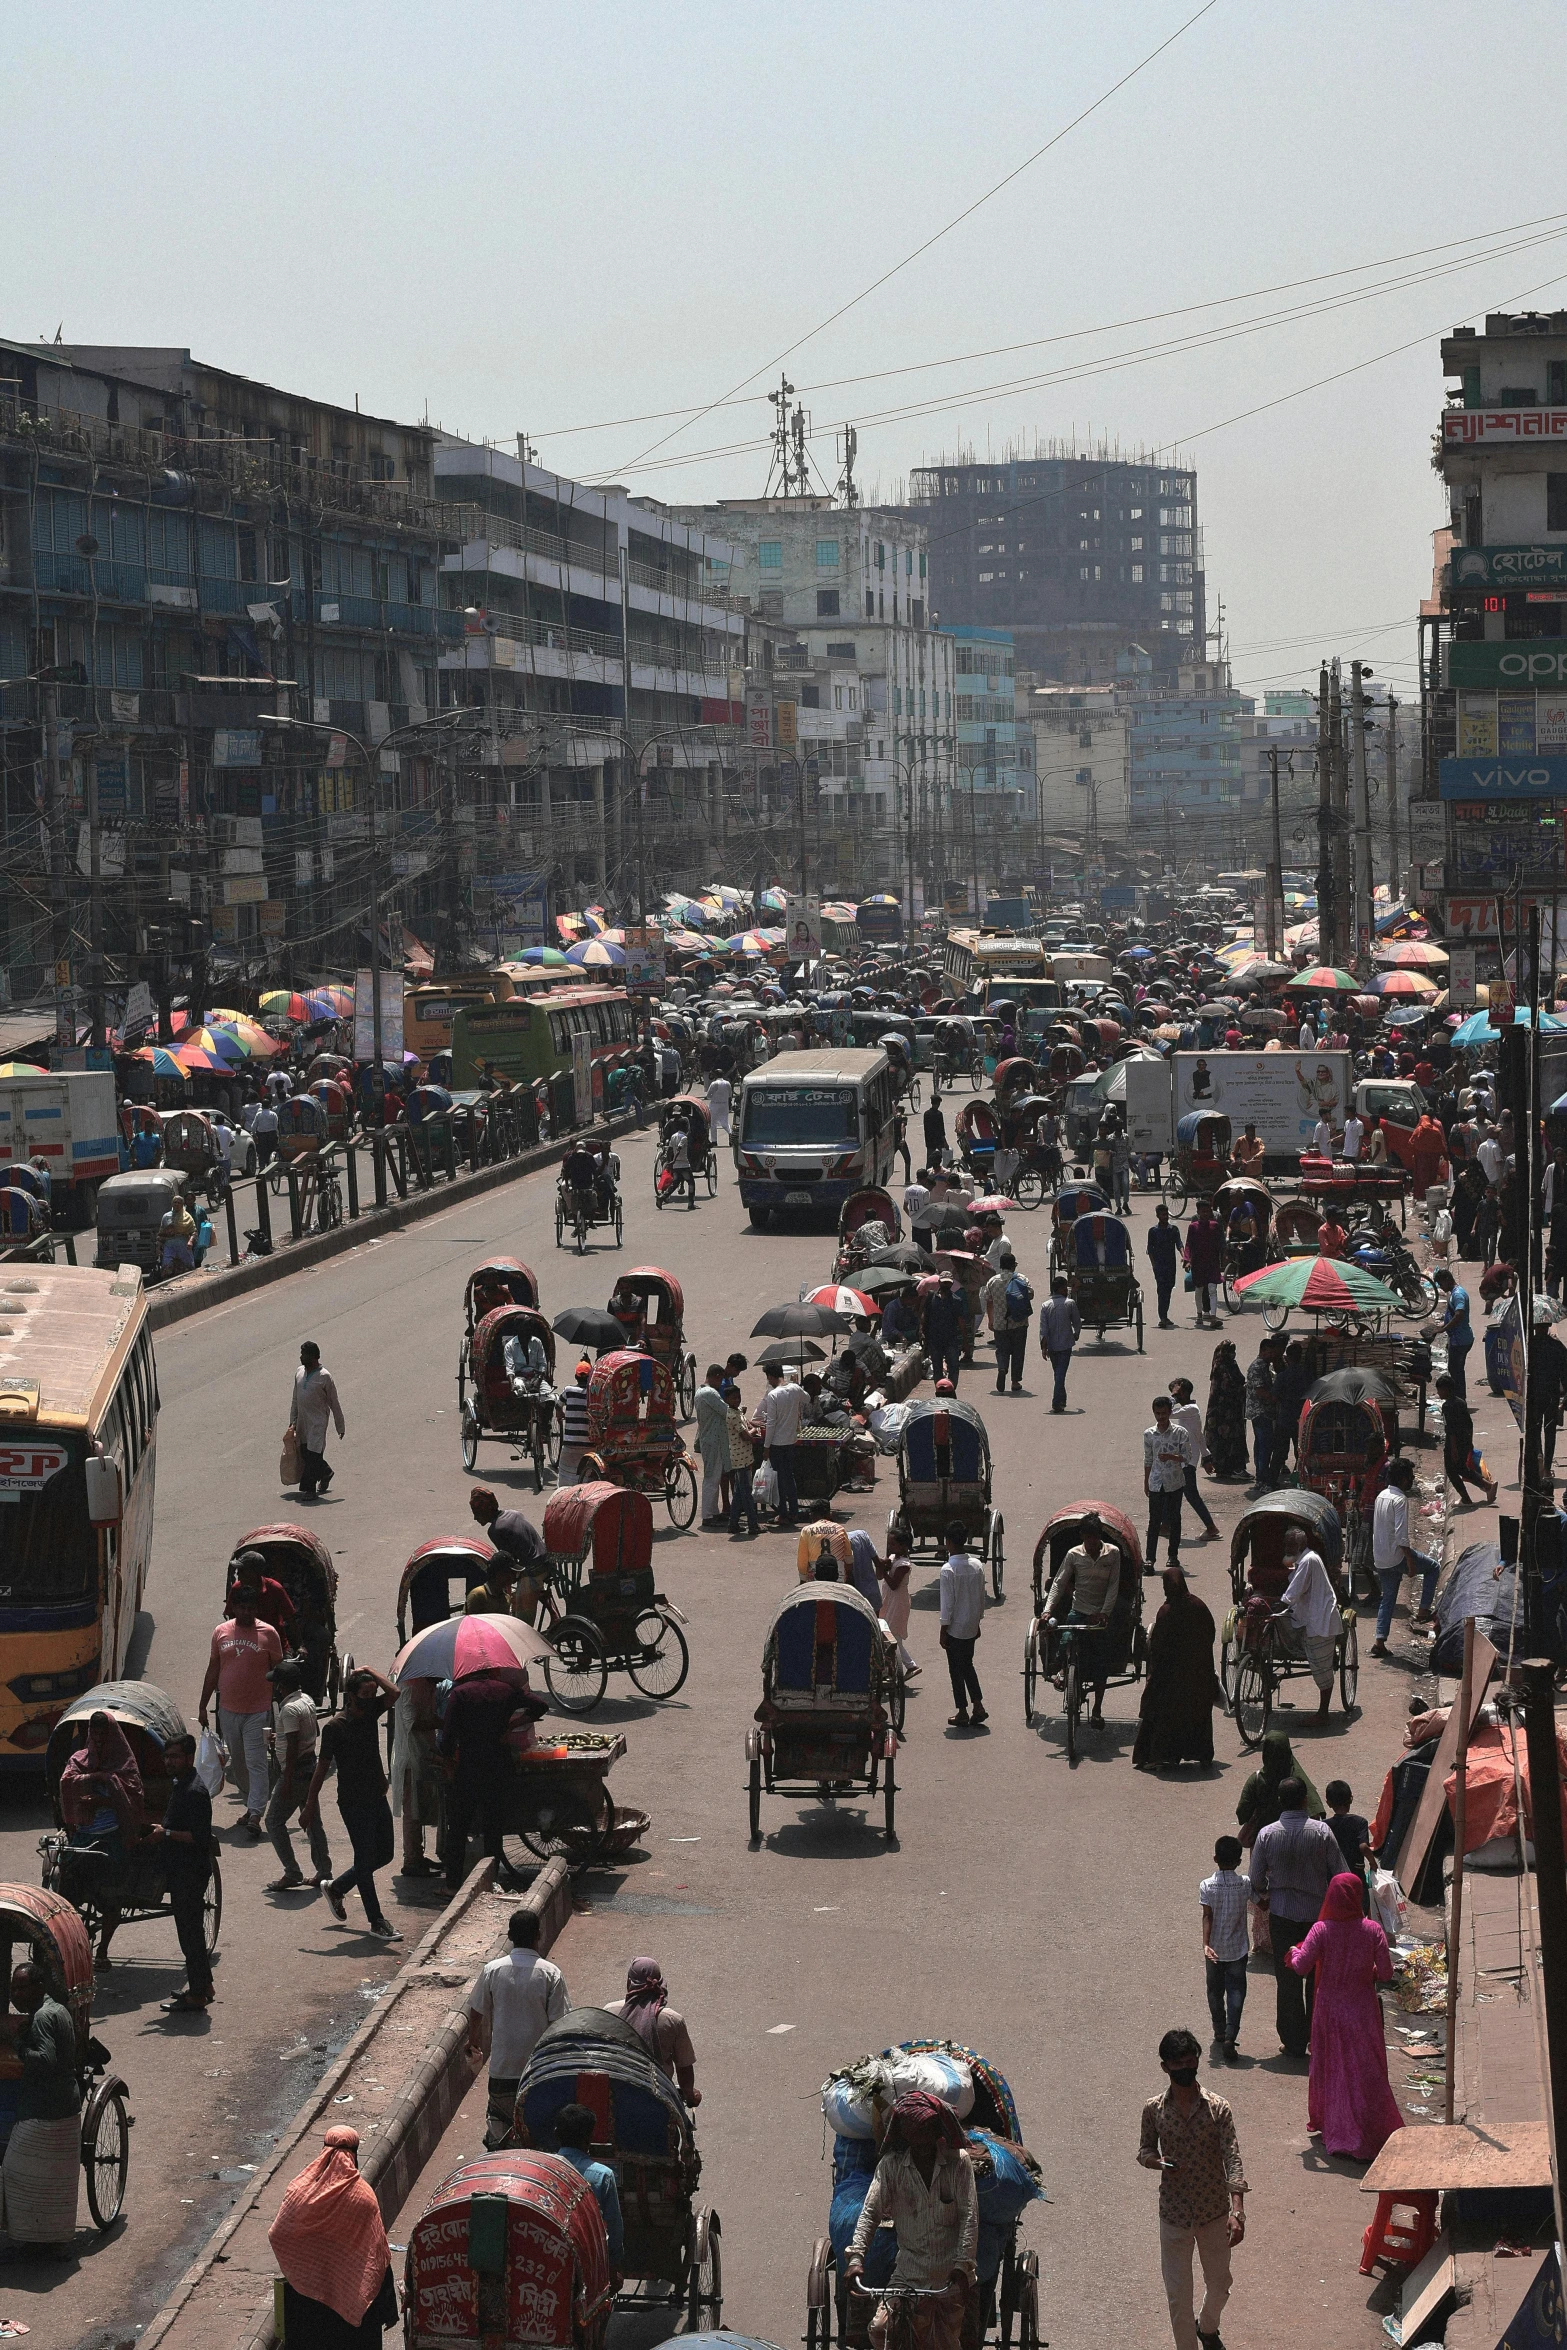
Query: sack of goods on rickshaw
{"points": [[858, 2099]]}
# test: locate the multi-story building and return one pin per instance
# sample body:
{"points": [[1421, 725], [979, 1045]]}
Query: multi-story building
{"points": [[1079, 555], [1494, 655], [851, 583], [1186, 763], [995, 759], [1082, 757]]}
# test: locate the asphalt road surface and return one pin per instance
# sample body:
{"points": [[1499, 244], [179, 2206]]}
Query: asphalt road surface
{"points": [[1042, 1913]]}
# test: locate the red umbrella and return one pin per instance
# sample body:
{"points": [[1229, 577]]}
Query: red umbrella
{"points": [[838, 1298]]}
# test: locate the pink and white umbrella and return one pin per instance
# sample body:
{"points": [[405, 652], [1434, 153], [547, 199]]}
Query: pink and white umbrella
{"points": [[839, 1299]]}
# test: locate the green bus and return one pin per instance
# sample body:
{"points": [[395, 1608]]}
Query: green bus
{"points": [[529, 1040]]}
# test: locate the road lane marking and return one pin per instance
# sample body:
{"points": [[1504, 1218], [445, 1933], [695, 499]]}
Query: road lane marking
{"points": [[773, 2030]]}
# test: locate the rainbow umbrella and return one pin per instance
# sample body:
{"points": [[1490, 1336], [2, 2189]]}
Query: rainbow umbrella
{"points": [[548, 958], [21, 1069], [749, 942], [594, 918], [221, 1043], [1320, 1285], [194, 1057], [279, 1004], [1326, 979], [162, 1062], [1405, 983], [593, 954], [327, 1003], [1414, 954], [773, 901], [570, 925]]}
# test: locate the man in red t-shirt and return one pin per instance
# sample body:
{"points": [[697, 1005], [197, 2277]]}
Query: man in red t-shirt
{"points": [[267, 1596], [244, 1650]]}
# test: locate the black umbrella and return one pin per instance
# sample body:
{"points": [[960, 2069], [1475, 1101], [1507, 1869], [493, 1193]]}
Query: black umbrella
{"points": [[1351, 1385], [589, 1326], [881, 1280], [793, 1350], [799, 1321], [943, 1215], [904, 1255]]}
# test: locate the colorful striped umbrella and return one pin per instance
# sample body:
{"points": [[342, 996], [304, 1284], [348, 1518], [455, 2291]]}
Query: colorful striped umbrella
{"points": [[162, 1062], [1320, 1285], [450, 1651], [1326, 979], [221, 1043], [1413, 954], [329, 1003], [194, 1057], [1405, 983], [23, 1069], [594, 954], [279, 1004], [547, 958], [749, 942], [838, 1298]]}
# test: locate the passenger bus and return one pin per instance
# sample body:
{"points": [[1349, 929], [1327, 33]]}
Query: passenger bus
{"points": [[530, 1041], [983, 963], [429, 1009], [812, 1128], [78, 1447], [879, 920]]}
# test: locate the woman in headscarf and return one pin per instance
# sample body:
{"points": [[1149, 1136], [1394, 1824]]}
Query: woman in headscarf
{"points": [[660, 2028], [1224, 1422], [1350, 2106], [330, 2245], [1176, 1715], [103, 1805]]}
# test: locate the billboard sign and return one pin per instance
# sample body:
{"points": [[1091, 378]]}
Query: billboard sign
{"points": [[1500, 428], [391, 1017], [1539, 661], [1543, 777], [804, 941], [644, 957], [1461, 996], [1504, 567]]}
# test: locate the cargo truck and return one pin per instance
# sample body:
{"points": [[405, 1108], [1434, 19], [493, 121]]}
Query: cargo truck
{"points": [[65, 1121], [1281, 1094]]}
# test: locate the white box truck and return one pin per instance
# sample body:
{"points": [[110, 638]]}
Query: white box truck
{"points": [[64, 1120], [1281, 1094]]}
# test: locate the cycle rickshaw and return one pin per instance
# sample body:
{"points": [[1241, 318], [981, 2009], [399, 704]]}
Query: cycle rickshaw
{"points": [[489, 1403], [1100, 1277], [651, 1305], [107, 1880], [823, 1730], [582, 1208], [867, 1220], [944, 1477], [1242, 1197], [337, 1100], [301, 1562], [633, 1439], [606, 1615], [509, 2250], [302, 1130], [956, 1054], [1015, 1077], [976, 1138], [1295, 1226], [1050, 1652], [1071, 1201], [44, 1930], [1200, 1162], [190, 1147], [643, 2131], [437, 1580], [1258, 1651], [1348, 1428], [1007, 2181], [688, 1110], [900, 1060]]}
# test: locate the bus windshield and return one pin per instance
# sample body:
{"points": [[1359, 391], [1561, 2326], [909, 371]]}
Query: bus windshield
{"points": [[48, 1550], [813, 1116]]}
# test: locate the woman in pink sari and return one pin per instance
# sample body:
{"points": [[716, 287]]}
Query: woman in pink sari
{"points": [[1350, 2106]]}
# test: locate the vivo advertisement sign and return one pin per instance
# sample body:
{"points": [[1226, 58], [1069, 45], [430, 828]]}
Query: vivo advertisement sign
{"points": [[1504, 779]]}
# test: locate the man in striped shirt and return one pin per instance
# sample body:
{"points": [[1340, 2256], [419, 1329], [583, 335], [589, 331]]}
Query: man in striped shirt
{"points": [[574, 1424]]}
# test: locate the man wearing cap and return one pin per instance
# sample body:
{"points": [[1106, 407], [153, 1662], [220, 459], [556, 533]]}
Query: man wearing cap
{"points": [[574, 1423], [945, 1328], [268, 1597], [291, 1742]]}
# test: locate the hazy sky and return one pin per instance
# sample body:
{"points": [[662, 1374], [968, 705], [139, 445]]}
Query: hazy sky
{"points": [[540, 218]]}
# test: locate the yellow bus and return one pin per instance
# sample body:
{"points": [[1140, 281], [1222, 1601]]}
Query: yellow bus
{"points": [[429, 1008], [982, 963], [78, 1446]]}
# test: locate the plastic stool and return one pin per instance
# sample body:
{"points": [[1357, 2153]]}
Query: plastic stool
{"points": [[1403, 2231]]}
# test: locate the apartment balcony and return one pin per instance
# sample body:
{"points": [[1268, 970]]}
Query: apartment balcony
{"points": [[516, 550]]}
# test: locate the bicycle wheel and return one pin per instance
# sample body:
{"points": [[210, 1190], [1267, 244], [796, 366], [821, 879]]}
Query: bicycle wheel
{"points": [[576, 1675], [1349, 1666], [212, 1909], [569, 1826], [1275, 1317], [976, 1071], [1030, 1673], [1074, 1708], [469, 1430], [1228, 1658], [680, 1493], [755, 1793], [1176, 1193], [889, 1798], [1253, 1700], [539, 1449], [1030, 1188], [329, 1210], [997, 1555], [685, 1386], [560, 1223], [106, 2152], [661, 1659]]}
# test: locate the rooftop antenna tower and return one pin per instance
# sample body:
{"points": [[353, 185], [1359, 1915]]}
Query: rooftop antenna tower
{"points": [[848, 449], [788, 471]]}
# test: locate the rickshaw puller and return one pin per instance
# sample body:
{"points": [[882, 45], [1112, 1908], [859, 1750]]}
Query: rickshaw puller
{"points": [[1084, 1593], [924, 2184], [1314, 1612], [43, 2156]]}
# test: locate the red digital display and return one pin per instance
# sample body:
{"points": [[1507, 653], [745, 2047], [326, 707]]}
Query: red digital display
{"points": [[1495, 604]]}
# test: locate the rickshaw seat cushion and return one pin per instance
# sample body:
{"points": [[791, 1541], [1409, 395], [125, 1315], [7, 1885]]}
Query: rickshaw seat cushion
{"points": [[824, 1647], [610, 1592], [963, 1450]]}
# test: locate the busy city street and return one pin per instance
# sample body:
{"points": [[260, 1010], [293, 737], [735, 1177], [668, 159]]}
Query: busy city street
{"points": [[1043, 1913]]}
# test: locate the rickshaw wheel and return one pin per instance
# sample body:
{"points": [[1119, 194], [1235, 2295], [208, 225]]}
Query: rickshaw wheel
{"points": [[976, 1071], [470, 1440], [539, 1450], [334, 1679], [1139, 1319], [1349, 1666], [1227, 1666], [705, 2272], [685, 1386], [889, 1800], [212, 1909], [997, 1557], [897, 1695], [1030, 1672], [1074, 1706], [620, 1224], [680, 1493], [572, 1829], [755, 1792], [819, 2297], [560, 1224], [1274, 1317], [576, 1674], [1028, 2303], [712, 1174], [1030, 1189], [1176, 1193], [1253, 1701], [106, 2151], [1230, 1293], [661, 1667]]}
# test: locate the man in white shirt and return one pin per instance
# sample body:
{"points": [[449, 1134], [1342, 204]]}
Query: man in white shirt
{"points": [[510, 2004], [1314, 1610], [1493, 1161], [962, 1607], [915, 1195], [718, 1093], [1187, 1414], [1354, 1133], [1307, 1039], [781, 1411], [1168, 1452], [1391, 1555], [1322, 1139]]}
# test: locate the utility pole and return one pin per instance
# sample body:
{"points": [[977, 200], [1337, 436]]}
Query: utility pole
{"points": [[634, 757], [1550, 1893], [94, 907], [59, 906], [1365, 875], [1393, 866], [1343, 896], [1276, 868]]}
